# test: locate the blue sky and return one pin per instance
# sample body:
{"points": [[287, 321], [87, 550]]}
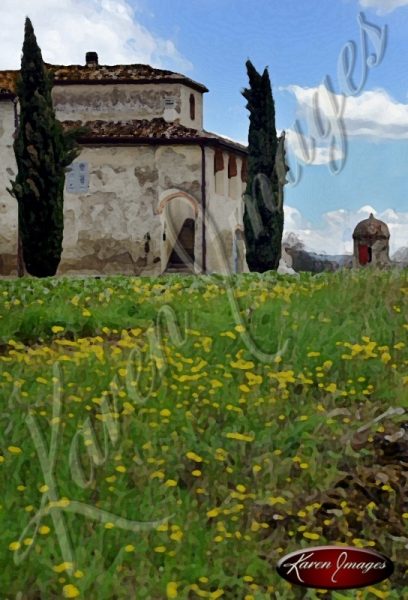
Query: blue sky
{"points": [[301, 42]]}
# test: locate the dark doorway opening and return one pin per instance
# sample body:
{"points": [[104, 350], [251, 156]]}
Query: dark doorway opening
{"points": [[182, 254], [365, 254]]}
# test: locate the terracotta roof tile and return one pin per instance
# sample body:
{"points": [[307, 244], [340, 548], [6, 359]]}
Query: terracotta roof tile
{"points": [[71, 74], [8, 81], [144, 129]]}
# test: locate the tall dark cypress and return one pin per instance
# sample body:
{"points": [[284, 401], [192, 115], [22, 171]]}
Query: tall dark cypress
{"points": [[263, 216], [43, 151]]}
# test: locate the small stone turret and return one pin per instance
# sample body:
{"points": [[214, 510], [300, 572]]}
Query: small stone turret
{"points": [[371, 243]]}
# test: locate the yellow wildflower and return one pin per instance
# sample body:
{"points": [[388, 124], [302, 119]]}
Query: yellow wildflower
{"points": [[14, 546], [177, 536], [311, 536], [171, 589], [65, 566], [170, 483], [57, 329], [243, 364], [215, 383], [229, 334], [70, 591], [44, 530], [194, 456], [240, 437], [157, 474]]}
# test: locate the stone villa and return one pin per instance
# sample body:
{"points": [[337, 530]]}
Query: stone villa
{"points": [[152, 191]]}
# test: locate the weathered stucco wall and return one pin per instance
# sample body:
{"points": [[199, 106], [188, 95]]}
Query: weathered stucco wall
{"points": [[113, 102], [225, 214], [8, 205], [117, 226]]}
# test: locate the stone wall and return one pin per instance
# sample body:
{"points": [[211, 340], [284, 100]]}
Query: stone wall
{"points": [[8, 205], [112, 102], [225, 213], [117, 226]]}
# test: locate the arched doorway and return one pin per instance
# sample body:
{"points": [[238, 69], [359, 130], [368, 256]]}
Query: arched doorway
{"points": [[180, 246], [182, 255]]}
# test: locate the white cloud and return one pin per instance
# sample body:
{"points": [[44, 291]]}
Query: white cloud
{"points": [[334, 234], [383, 6], [294, 220], [373, 114], [308, 152], [67, 29]]}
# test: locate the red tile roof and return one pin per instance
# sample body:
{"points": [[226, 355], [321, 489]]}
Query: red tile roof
{"points": [[103, 74], [148, 131], [8, 82]]}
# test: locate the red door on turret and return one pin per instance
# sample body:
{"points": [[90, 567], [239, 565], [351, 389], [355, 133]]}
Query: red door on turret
{"points": [[364, 254]]}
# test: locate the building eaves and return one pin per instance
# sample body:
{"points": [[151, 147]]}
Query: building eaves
{"points": [[105, 74], [144, 131]]}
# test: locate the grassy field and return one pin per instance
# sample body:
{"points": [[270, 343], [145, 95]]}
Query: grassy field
{"points": [[174, 437]]}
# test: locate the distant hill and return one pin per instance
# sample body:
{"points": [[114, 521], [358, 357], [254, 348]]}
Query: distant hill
{"points": [[317, 263], [401, 256], [306, 260]]}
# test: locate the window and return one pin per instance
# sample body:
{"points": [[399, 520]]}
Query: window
{"points": [[232, 167], [192, 107], [219, 172], [233, 182], [218, 161]]}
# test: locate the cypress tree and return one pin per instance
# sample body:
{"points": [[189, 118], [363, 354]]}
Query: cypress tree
{"points": [[263, 215], [42, 151]]}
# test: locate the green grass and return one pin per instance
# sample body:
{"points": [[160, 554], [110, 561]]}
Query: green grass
{"points": [[227, 408]]}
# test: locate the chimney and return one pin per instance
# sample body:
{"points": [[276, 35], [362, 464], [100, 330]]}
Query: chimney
{"points": [[91, 59]]}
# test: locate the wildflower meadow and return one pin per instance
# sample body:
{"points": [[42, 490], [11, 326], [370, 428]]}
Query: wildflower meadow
{"points": [[174, 437]]}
